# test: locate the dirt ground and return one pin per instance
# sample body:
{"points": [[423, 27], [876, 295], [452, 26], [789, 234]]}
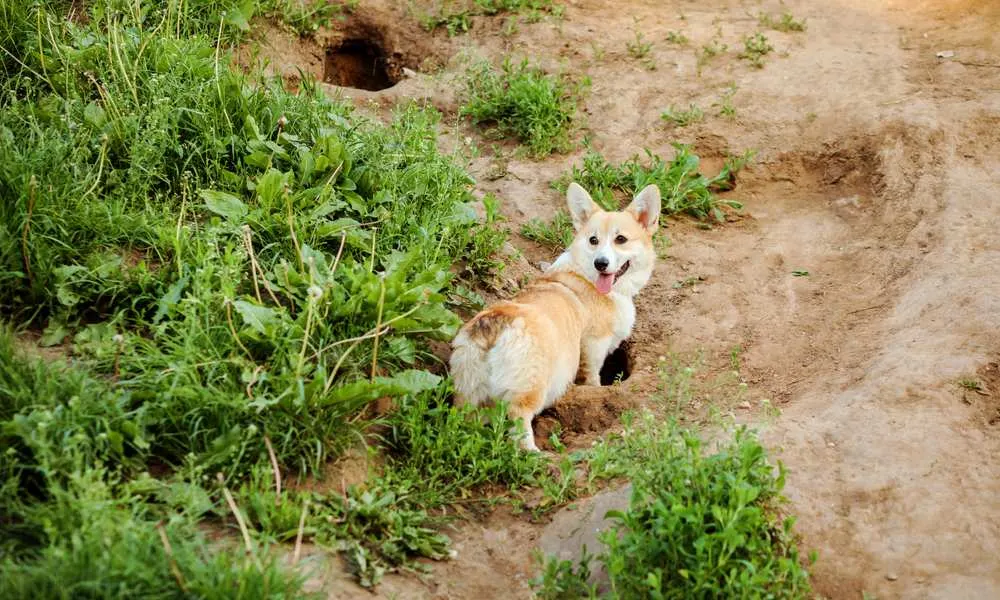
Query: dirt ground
{"points": [[877, 171]]}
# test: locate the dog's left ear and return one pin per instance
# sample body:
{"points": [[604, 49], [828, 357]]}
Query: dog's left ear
{"points": [[645, 208], [581, 205]]}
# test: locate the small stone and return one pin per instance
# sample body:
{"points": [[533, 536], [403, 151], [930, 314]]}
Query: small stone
{"points": [[891, 576], [743, 405], [831, 444], [408, 72], [946, 54]]}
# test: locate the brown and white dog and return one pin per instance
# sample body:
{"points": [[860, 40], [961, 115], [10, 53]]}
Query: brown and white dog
{"points": [[527, 351]]}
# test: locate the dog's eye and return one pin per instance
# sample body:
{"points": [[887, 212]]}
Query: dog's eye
{"points": [[593, 240], [621, 239]]}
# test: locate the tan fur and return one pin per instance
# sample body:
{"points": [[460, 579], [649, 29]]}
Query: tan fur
{"points": [[527, 351]]}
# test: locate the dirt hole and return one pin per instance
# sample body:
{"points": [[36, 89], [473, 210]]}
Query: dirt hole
{"points": [[358, 63], [618, 365]]}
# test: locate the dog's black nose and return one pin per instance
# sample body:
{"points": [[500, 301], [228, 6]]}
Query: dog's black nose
{"points": [[600, 263]]}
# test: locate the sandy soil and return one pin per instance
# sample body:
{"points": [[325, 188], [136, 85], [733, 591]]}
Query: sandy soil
{"points": [[878, 172]]}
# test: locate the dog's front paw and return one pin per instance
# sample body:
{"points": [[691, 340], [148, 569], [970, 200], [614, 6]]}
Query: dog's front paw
{"points": [[528, 444]]}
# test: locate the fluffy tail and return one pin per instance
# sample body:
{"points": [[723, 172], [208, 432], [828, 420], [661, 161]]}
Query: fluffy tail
{"points": [[469, 371], [470, 364]]}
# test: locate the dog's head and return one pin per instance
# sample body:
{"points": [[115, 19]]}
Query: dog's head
{"points": [[614, 250]]}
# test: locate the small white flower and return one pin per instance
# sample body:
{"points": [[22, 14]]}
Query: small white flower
{"points": [[315, 292], [282, 121]]}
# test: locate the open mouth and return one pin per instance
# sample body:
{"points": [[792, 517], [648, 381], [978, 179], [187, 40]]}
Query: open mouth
{"points": [[622, 270], [606, 280]]}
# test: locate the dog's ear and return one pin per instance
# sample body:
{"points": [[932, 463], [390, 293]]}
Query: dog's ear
{"points": [[581, 205], [645, 208]]}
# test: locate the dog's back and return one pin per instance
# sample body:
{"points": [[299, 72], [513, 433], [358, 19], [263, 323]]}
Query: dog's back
{"points": [[526, 352]]}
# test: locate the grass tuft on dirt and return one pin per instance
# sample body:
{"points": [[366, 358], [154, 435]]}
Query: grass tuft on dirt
{"points": [[703, 522], [555, 234], [456, 16], [523, 101], [683, 188]]}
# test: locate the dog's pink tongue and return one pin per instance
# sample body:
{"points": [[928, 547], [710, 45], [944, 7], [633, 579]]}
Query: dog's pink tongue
{"points": [[604, 282]]}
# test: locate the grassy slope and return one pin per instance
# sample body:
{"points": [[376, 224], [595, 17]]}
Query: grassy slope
{"points": [[236, 270]]}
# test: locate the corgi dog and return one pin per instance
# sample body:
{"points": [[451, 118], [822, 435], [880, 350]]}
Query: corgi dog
{"points": [[527, 351]]}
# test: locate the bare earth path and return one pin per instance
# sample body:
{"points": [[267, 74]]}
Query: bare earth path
{"points": [[878, 171]]}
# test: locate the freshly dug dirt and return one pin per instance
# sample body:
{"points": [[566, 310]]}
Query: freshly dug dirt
{"points": [[877, 132]]}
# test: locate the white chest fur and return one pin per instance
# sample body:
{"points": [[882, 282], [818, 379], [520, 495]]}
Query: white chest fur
{"points": [[624, 319]]}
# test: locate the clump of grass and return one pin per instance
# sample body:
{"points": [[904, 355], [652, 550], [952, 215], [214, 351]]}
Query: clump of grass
{"points": [[970, 384], [683, 117], [556, 233], [683, 188], [639, 47], [306, 17], [677, 37], [641, 50], [701, 522], [456, 17], [785, 22], [725, 103], [710, 50], [433, 455], [755, 48], [523, 101], [80, 514]]}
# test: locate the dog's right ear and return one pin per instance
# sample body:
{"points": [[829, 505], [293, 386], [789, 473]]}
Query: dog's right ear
{"points": [[581, 205]]}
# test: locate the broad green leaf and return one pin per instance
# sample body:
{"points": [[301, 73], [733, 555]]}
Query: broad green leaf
{"points": [[171, 298], [225, 205], [54, 333], [359, 393], [259, 318], [270, 185], [93, 114]]}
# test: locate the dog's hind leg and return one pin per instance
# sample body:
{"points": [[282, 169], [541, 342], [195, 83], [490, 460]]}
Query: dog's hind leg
{"points": [[523, 408]]}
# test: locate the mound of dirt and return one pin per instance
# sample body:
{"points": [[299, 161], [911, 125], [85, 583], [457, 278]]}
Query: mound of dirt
{"points": [[583, 410]]}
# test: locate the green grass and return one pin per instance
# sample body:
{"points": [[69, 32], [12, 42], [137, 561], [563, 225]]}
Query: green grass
{"points": [[433, 456], [703, 521], [970, 384], [683, 117], [456, 15], [307, 16], [725, 103], [232, 268], [641, 50], [708, 51], [523, 101], [676, 37], [556, 233], [755, 48], [639, 47], [81, 517], [683, 188], [785, 22]]}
